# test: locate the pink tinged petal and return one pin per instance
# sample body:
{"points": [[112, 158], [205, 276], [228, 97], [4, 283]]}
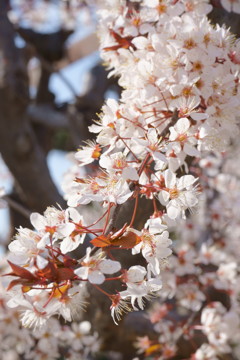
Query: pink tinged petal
{"points": [[96, 277], [163, 197], [38, 221], [170, 179], [182, 126], [109, 266], [191, 150], [173, 210]]}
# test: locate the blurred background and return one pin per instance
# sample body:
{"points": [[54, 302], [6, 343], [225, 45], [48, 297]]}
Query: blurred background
{"points": [[52, 84]]}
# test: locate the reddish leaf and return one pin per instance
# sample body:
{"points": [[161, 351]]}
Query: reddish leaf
{"points": [[47, 273], [123, 42], [14, 283], [65, 274], [68, 261], [25, 284], [101, 241], [21, 272], [112, 48], [128, 240]]}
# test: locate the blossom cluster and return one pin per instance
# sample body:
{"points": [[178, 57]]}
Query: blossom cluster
{"points": [[180, 102], [73, 341], [200, 304]]}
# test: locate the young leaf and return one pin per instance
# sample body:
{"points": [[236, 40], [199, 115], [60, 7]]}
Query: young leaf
{"points": [[21, 272], [128, 240], [101, 241]]}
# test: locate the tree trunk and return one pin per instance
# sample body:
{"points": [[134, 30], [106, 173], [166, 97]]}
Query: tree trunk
{"points": [[18, 143]]}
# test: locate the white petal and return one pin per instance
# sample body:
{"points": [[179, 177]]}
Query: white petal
{"points": [[44, 240], [82, 272], [163, 197], [96, 277], [38, 221], [198, 116], [173, 211], [74, 215], [68, 244], [186, 181], [173, 134], [159, 156], [182, 125], [155, 284], [191, 199], [130, 174], [41, 262], [170, 179], [140, 42], [140, 303], [136, 273], [66, 313], [85, 327], [108, 266], [191, 150], [66, 229], [154, 265], [105, 161]]}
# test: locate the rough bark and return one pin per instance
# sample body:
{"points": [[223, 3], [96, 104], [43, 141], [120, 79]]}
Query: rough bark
{"points": [[18, 143]]}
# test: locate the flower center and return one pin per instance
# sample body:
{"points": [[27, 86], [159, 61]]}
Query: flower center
{"points": [[174, 193]]}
